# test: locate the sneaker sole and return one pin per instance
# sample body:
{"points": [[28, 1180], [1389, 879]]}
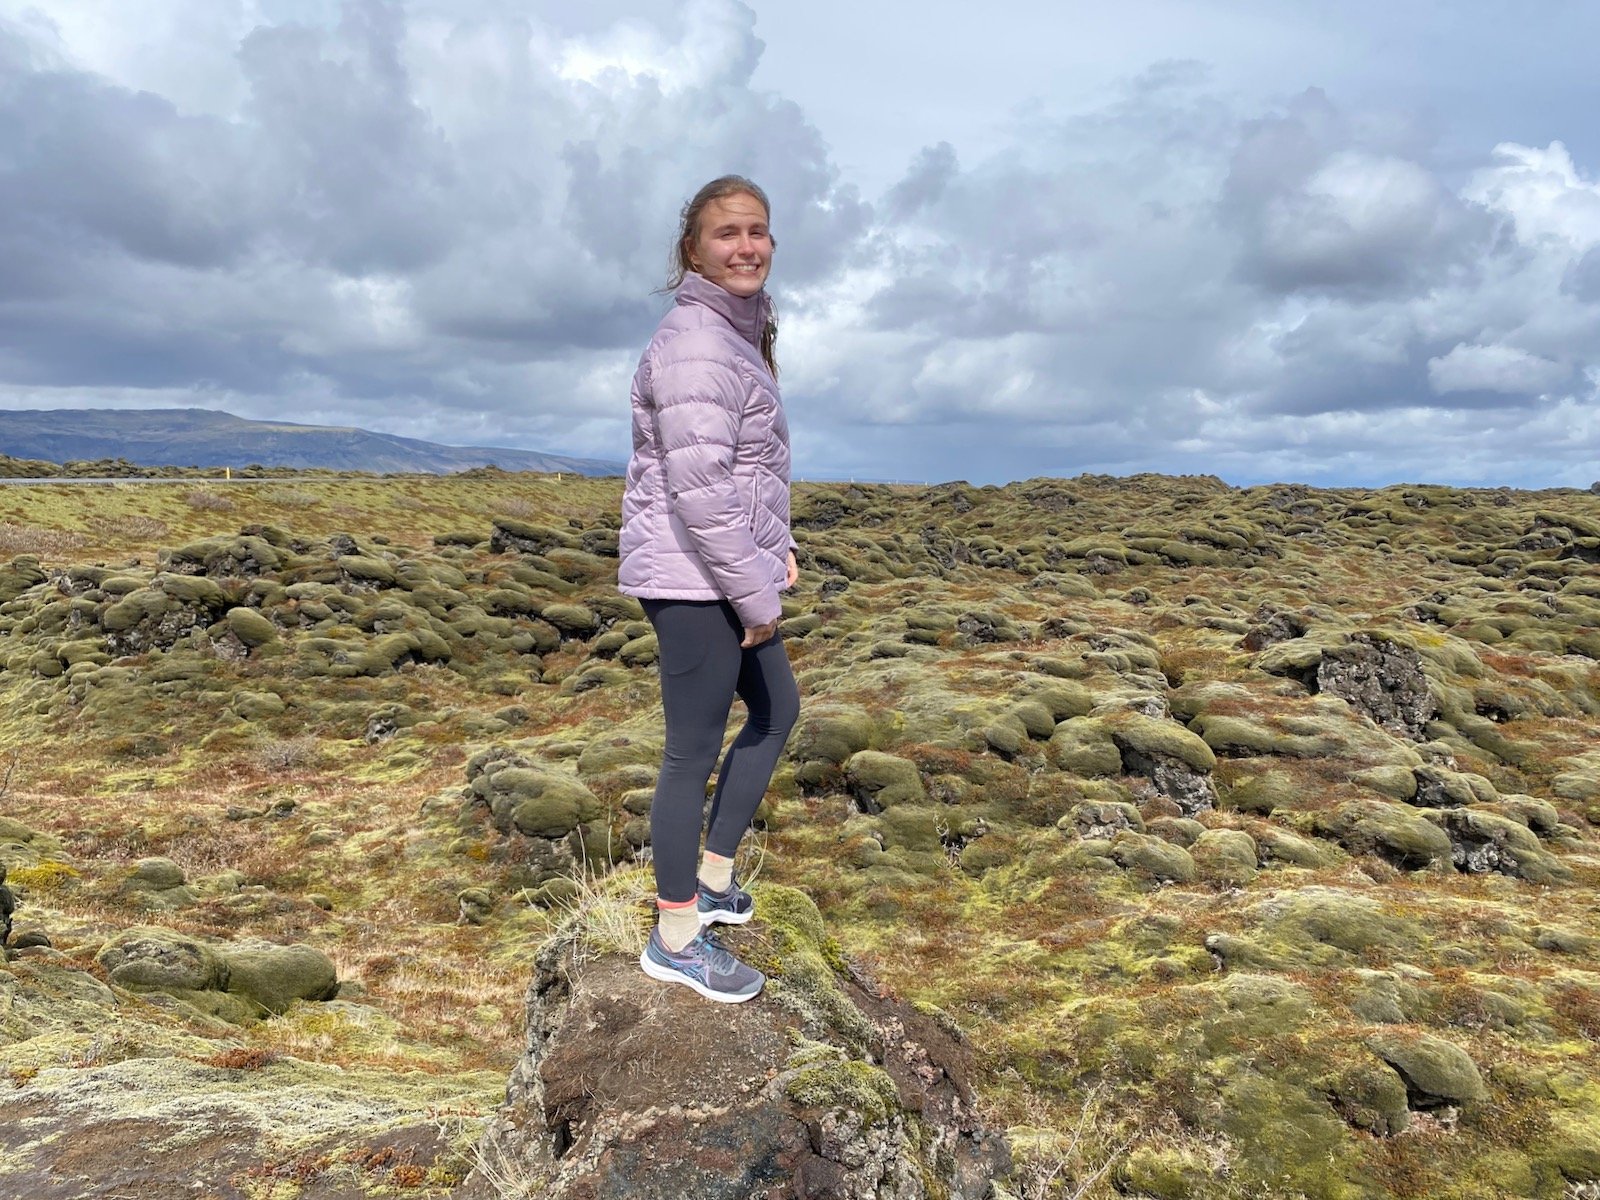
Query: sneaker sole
{"points": [[668, 975], [719, 916]]}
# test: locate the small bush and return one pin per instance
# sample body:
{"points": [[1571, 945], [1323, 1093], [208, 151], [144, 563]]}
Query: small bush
{"points": [[292, 497], [18, 539], [287, 754], [240, 1058], [522, 510], [206, 500], [136, 528]]}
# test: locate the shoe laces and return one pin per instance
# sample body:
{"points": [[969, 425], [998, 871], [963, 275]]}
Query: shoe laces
{"points": [[719, 957]]}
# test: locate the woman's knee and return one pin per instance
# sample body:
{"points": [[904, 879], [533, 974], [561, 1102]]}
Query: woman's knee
{"points": [[783, 710], [791, 712], [692, 747], [695, 762]]}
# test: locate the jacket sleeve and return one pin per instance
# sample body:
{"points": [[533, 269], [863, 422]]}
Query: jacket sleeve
{"points": [[699, 400]]}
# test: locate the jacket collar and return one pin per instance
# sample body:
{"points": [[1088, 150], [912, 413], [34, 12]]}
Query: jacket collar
{"points": [[747, 315]]}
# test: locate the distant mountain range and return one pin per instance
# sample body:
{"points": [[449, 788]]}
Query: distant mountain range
{"points": [[203, 437]]}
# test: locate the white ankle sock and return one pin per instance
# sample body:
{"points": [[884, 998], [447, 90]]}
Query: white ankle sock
{"points": [[716, 872], [678, 925]]}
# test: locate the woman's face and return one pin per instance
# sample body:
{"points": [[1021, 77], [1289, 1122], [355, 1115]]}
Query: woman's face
{"points": [[733, 247]]}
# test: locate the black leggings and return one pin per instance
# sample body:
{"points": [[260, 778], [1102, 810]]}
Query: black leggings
{"points": [[702, 667]]}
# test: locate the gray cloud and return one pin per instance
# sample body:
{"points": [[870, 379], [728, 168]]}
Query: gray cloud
{"points": [[924, 183], [1176, 280], [1496, 368], [354, 230], [1582, 279], [1319, 207], [353, 174], [446, 220]]}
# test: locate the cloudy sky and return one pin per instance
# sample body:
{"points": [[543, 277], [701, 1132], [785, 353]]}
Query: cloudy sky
{"points": [[1353, 243]]}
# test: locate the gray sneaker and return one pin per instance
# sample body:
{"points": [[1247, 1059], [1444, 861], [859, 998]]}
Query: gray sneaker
{"points": [[706, 965], [732, 907]]}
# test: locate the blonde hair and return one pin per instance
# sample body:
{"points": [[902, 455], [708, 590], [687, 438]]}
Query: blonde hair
{"points": [[678, 262]]}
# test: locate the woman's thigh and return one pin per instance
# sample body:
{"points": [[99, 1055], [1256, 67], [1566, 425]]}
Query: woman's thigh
{"points": [[767, 686], [697, 650]]}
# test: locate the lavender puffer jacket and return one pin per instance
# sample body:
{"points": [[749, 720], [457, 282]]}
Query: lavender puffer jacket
{"points": [[705, 512]]}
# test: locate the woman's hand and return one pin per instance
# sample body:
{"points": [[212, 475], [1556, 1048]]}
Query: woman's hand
{"points": [[794, 572], [755, 635]]}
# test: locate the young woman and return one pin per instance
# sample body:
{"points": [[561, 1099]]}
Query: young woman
{"points": [[705, 545]]}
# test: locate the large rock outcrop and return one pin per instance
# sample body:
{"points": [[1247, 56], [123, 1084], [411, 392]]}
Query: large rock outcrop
{"points": [[820, 1088], [1383, 678]]}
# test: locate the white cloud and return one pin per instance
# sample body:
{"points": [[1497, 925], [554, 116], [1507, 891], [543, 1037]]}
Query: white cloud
{"points": [[1356, 208], [1322, 203], [1495, 369], [403, 214], [1543, 191], [444, 218], [714, 45]]}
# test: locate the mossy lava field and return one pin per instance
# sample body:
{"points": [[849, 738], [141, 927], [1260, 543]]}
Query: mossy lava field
{"points": [[1250, 835]]}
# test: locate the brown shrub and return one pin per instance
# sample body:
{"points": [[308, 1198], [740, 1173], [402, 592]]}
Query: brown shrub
{"points": [[206, 500], [136, 528], [292, 497], [522, 510], [18, 539], [1580, 1006], [287, 754], [241, 1058], [936, 760]]}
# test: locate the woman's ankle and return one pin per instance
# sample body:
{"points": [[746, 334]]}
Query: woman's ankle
{"points": [[677, 922], [716, 872]]}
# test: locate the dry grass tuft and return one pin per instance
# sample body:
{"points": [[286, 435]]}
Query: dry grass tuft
{"points": [[205, 500], [291, 497], [18, 539], [608, 915], [135, 528], [523, 510], [1073, 1157], [241, 1058], [286, 754], [509, 1178]]}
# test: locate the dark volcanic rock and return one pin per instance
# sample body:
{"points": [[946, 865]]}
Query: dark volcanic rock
{"points": [[1482, 842], [525, 538], [1440, 788], [945, 550], [986, 627], [222, 557], [1271, 626], [1190, 789], [630, 1088], [1382, 679]]}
